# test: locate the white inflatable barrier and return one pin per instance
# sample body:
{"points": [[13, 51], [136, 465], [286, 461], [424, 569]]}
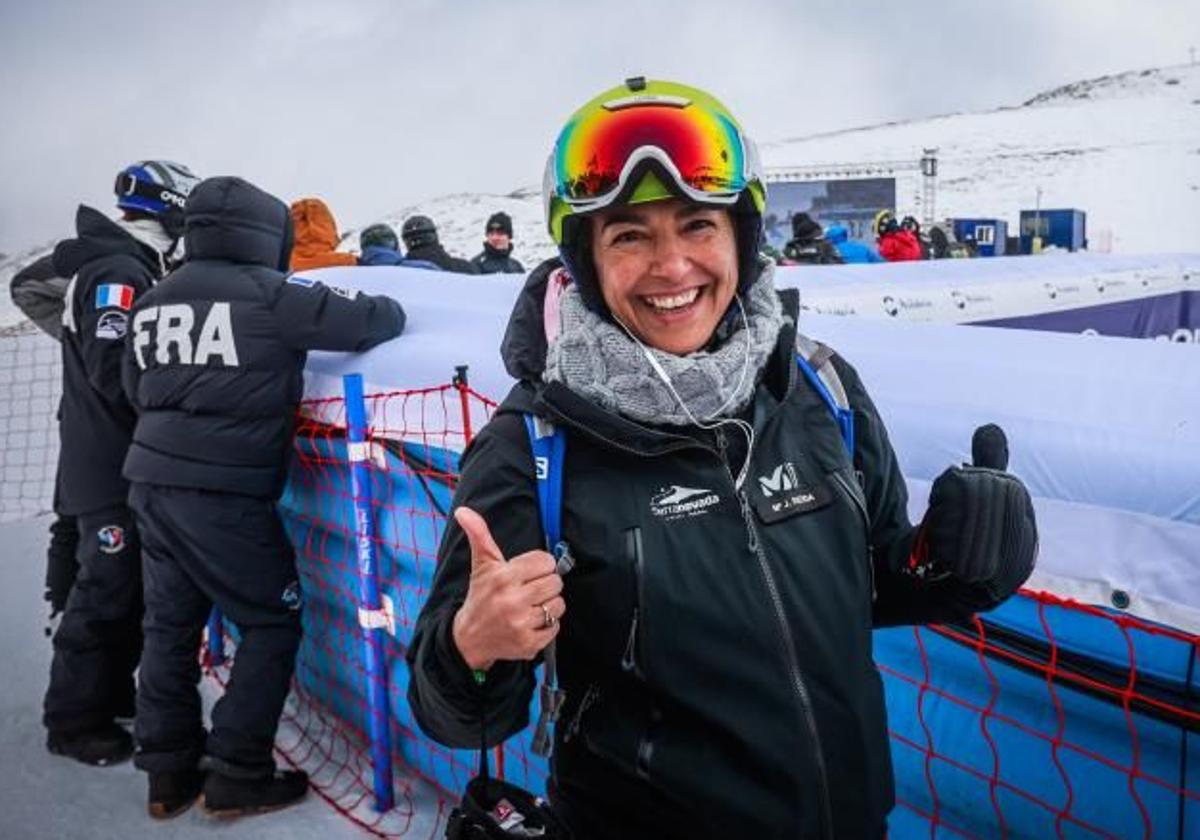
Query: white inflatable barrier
{"points": [[1104, 431]]}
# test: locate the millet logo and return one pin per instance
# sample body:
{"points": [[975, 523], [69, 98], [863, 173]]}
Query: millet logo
{"points": [[781, 480]]}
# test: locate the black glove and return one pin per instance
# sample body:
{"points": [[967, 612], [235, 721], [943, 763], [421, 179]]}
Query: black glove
{"points": [[980, 528]]}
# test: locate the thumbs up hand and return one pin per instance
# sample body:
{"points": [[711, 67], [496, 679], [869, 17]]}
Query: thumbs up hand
{"points": [[980, 527], [513, 607]]}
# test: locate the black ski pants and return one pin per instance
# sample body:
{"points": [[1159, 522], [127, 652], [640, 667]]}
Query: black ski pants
{"points": [[201, 548], [99, 640]]}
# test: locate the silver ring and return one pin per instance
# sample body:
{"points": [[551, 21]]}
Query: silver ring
{"points": [[548, 620]]}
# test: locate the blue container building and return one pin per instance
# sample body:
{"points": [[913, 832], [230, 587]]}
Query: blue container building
{"points": [[989, 235], [1066, 229]]}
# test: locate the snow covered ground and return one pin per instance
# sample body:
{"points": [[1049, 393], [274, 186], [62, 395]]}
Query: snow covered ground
{"points": [[54, 798]]}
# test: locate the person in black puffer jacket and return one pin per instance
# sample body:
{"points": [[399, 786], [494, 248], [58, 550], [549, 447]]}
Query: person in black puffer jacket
{"points": [[496, 257], [421, 242], [214, 369]]}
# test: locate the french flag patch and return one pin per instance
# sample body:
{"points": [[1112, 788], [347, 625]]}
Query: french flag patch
{"points": [[114, 294]]}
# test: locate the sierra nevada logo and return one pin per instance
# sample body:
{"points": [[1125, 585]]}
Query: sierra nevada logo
{"points": [[676, 502]]}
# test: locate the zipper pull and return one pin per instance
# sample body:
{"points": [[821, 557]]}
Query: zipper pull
{"points": [[589, 698], [629, 661], [747, 515]]}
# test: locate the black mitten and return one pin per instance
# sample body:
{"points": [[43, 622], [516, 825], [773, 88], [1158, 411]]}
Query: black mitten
{"points": [[980, 528]]}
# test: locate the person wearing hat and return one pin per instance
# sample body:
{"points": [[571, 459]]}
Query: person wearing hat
{"points": [[496, 257], [111, 264], [378, 245], [808, 245], [420, 237], [728, 540]]}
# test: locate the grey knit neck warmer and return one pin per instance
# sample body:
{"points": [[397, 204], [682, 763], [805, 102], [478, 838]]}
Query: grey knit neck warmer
{"points": [[598, 360]]}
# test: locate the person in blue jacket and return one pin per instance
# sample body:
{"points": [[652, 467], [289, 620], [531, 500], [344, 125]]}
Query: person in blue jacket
{"points": [[851, 251], [380, 246]]}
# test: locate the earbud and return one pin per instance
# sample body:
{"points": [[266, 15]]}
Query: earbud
{"points": [[744, 427]]}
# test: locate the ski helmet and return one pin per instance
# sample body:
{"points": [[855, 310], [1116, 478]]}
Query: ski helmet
{"points": [[379, 235], [885, 222], [645, 141], [418, 231], [157, 187], [910, 223]]}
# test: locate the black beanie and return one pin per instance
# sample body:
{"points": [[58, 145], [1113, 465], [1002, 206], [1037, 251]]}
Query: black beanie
{"points": [[500, 220], [803, 227]]}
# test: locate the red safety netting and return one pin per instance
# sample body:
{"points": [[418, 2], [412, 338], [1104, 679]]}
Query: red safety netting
{"points": [[968, 781]]}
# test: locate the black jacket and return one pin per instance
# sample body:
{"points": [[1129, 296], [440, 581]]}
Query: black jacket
{"points": [[716, 652], [110, 270], [434, 252], [217, 350], [817, 251], [493, 261], [39, 292]]}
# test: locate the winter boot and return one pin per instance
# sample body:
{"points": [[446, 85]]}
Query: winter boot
{"points": [[173, 793], [225, 796], [101, 747]]}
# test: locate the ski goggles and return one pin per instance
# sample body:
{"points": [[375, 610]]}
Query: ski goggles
{"points": [[694, 142]]}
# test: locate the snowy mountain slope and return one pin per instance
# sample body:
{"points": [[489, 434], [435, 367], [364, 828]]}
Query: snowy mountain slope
{"points": [[1125, 148]]}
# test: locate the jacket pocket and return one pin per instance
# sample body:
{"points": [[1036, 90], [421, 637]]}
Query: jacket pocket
{"points": [[633, 658]]}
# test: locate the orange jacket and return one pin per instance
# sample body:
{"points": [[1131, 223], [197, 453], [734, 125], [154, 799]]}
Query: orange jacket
{"points": [[315, 237]]}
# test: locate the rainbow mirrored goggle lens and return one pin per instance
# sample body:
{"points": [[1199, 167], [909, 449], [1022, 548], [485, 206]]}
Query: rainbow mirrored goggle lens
{"points": [[701, 148]]}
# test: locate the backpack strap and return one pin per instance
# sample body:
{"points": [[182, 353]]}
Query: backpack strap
{"points": [[549, 446], [813, 359]]}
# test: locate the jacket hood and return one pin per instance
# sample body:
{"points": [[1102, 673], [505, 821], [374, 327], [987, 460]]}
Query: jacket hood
{"points": [[230, 219], [837, 234], [98, 236], [315, 228]]}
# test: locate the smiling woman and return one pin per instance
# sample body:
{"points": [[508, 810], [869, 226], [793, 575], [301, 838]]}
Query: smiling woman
{"points": [[711, 599], [667, 270]]}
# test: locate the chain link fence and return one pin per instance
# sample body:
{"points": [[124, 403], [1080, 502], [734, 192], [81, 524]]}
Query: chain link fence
{"points": [[30, 388]]}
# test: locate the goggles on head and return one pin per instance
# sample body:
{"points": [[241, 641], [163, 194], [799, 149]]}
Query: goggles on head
{"points": [[687, 137]]}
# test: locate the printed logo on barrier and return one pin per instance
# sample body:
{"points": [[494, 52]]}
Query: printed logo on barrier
{"points": [[111, 538], [890, 306], [1051, 290], [677, 502], [1099, 281], [292, 597], [959, 300], [112, 326]]}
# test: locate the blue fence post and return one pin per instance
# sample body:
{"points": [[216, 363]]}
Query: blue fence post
{"points": [[372, 616], [216, 638]]}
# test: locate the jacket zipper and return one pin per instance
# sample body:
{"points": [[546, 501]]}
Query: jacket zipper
{"points": [[633, 550], [793, 661], [857, 501]]}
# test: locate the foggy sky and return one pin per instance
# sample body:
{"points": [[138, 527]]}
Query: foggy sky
{"points": [[374, 105]]}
